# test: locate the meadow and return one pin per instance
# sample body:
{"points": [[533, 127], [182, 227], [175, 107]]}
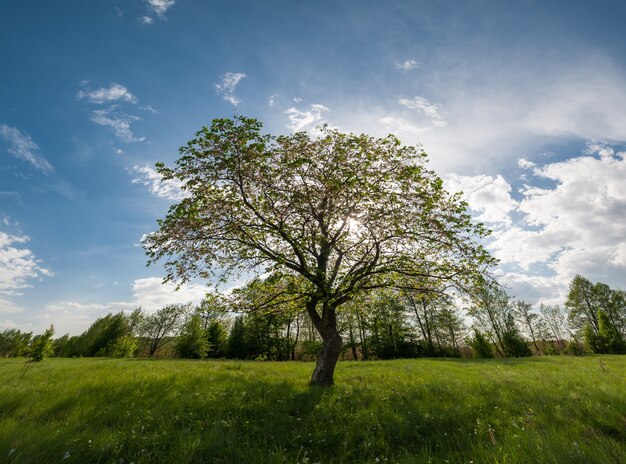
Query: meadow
{"points": [[540, 410]]}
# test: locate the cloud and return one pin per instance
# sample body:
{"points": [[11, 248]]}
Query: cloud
{"points": [[227, 87], [525, 164], [148, 293], [149, 109], [120, 123], [160, 7], [22, 146], [429, 109], [151, 294], [300, 119], [146, 20], [407, 65], [488, 196], [115, 92], [575, 226], [400, 126], [18, 265], [8, 324], [170, 189]]}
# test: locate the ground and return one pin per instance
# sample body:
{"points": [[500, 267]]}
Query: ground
{"points": [[544, 410]]}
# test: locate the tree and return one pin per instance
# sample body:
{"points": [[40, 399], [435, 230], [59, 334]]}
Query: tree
{"points": [[607, 340], [43, 346], [585, 299], [553, 324], [14, 343], [494, 313], [236, 344], [163, 323], [216, 337], [481, 347], [192, 342], [529, 320], [345, 213]]}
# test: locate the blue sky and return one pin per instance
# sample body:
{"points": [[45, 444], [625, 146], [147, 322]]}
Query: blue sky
{"points": [[522, 105]]}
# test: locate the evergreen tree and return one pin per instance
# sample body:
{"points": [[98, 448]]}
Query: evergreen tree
{"points": [[236, 345], [217, 338]]}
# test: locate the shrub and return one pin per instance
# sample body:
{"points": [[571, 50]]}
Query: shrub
{"points": [[481, 348]]}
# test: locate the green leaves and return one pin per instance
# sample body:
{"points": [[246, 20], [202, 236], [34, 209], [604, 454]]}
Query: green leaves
{"points": [[344, 212]]}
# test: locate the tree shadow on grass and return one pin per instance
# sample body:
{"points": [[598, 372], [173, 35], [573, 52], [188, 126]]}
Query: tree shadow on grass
{"points": [[237, 413]]}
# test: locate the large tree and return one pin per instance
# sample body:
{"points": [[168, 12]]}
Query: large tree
{"points": [[345, 213]]}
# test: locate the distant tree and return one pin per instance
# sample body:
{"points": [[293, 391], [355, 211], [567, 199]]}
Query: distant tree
{"points": [[494, 314], [553, 324], [607, 340], [100, 339], [192, 342], [62, 346], [163, 323], [236, 344], [216, 337], [481, 347], [345, 213], [513, 344], [390, 335], [14, 343], [123, 347], [585, 300], [43, 345], [530, 321], [489, 310]]}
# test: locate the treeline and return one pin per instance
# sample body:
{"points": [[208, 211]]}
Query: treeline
{"points": [[384, 324]]}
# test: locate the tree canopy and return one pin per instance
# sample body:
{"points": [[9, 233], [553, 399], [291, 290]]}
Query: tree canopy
{"points": [[343, 213]]}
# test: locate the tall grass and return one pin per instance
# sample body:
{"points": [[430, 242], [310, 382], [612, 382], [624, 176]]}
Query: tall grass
{"points": [[540, 410]]}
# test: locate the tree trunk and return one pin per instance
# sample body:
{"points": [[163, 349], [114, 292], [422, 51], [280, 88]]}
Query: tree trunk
{"points": [[327, 359]]}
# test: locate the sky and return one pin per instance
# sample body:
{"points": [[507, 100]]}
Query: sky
{"points": [[519, 104]]}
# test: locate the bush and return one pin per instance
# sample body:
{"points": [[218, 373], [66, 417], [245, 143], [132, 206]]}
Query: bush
{"points": [[514, 345], [574, 348], [481, 347]]}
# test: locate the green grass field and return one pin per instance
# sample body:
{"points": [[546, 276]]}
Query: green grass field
{"points": [[551, 409]]}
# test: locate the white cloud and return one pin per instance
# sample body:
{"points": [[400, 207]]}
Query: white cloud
{"points": [[301, 119], [146, 20], [574, 227], [22, 146], [149, 109], [407, 65], [429, 109], [226, 88], [525, 164], [400, 126], [148, 293], [160, 7], [489, 196], [8, 324], [118, 121], [115, 92], [169, 189], [18, 265], [151, 294]]}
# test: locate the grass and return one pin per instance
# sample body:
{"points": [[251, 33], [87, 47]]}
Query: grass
{"points": [[539, 410]]}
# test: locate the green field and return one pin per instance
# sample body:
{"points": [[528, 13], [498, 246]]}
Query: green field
{"points": [[550, 409]]}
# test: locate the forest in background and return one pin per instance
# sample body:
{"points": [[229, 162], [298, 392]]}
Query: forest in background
{"points": [[385, 324]]}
